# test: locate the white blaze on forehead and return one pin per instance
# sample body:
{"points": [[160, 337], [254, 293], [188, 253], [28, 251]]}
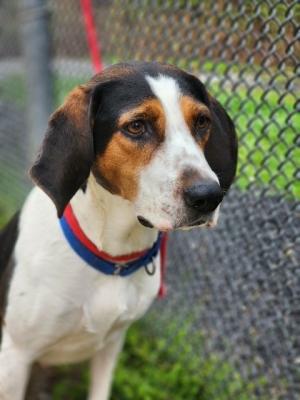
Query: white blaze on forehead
{"points": [[179, 142], [167, 91], [160, 197]]}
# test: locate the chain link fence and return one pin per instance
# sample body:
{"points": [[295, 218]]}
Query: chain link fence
{"points": [[235, 290]]}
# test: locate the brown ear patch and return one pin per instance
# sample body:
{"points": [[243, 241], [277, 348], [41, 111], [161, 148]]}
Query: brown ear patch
{"points": [[116, 71], [76, 105], [191, 109], [64, 161], [118, 167]]}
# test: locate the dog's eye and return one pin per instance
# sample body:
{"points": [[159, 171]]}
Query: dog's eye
{"points": [[202, 123], [136, 128]]}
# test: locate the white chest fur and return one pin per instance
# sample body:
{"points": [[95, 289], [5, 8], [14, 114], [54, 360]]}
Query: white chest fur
{"points": [[59, 308], [109, 308]]}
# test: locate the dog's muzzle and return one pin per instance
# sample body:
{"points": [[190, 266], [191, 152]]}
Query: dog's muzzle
{"points": [[201, 200], [204, 197]]}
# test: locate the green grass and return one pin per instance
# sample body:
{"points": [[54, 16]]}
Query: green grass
{"points": [[163, 368], [63, 85], [267, 126], [13, 189], [12, 89]]}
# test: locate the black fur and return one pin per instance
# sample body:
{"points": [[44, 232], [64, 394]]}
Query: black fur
{"points": [[188, 83], [111, 100], [65, 159], [69, 150], [222, 148], [8, 237]]}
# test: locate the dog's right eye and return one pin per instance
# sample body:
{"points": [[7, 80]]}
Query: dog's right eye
{"points": [[136, 128]]}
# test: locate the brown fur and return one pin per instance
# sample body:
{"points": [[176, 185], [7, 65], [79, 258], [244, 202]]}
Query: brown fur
{"points": [[188, 178], [150, 110], [75, 105], [191, 109], [66, 155], [123, 158], [113, 72], [121, 163]]}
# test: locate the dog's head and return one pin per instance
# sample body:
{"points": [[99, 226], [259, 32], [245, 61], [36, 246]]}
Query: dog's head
{"points": [[149, 133]]}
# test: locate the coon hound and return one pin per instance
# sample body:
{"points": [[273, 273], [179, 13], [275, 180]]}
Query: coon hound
{"points": [[139, 150]]}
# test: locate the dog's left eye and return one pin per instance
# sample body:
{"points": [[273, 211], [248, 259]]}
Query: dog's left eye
{"points": [[202, 123], [136, 127]]}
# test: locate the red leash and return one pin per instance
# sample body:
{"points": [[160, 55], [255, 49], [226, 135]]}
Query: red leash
{"points": [[96, 58], [91, 35], [163, 266]]}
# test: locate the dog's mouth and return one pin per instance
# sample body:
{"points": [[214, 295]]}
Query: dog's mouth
{"points": [[163, 227], [144, 222], [199, 223], [196, 223]]}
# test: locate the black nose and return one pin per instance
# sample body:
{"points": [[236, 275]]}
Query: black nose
{"points": [[204, 196]]}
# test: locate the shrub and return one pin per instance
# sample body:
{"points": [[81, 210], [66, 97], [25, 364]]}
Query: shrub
{"points": [[162, 368]]}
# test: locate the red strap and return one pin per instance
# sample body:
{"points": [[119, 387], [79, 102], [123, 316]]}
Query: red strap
{"points": [[95, 53], [163, 269], [91, 35]]}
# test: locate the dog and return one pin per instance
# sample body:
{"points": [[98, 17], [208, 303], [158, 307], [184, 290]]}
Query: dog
{"points": [[139, 150]]}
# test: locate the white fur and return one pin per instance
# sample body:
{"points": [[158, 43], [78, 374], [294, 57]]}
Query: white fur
{"points": [[61, 310], [159, 200]]}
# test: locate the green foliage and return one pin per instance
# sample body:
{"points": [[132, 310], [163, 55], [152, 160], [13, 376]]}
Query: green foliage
{"points": [[70, 383], [63, 85], [12, 191], [162, 368], [268, 127], [174, 367], [13, 89]]}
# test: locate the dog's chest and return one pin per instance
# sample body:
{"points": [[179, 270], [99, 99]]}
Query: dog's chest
{"points": [[119, 302], [108, 310]]}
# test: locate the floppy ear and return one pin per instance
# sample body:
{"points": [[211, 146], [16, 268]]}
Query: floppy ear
{"points": [[221, 147], [67, 154]]}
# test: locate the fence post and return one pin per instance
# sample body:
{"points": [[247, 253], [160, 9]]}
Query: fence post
{"points": [[36, 43]]}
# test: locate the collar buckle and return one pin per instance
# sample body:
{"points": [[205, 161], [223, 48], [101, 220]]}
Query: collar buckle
{"points": [[119, 268]]}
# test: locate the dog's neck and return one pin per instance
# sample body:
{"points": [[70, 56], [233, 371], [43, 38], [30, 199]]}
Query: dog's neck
{"points": [[109, 221]]}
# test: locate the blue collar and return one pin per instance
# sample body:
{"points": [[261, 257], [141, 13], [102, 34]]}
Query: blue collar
{"points": [[87, 251]]}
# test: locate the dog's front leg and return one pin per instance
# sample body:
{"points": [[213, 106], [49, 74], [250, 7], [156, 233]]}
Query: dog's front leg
{"points": [[102, 367], [15, 365]]}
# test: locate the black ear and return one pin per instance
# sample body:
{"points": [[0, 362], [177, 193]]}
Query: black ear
{"points": [[67, 154], [221, 149]]}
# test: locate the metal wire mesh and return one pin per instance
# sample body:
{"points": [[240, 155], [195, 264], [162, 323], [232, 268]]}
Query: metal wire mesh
{"points": [[239, 285], [12, 113]]}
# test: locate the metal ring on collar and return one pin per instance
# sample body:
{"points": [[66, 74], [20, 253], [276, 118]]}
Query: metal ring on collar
{"points": [[150, 271]]}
